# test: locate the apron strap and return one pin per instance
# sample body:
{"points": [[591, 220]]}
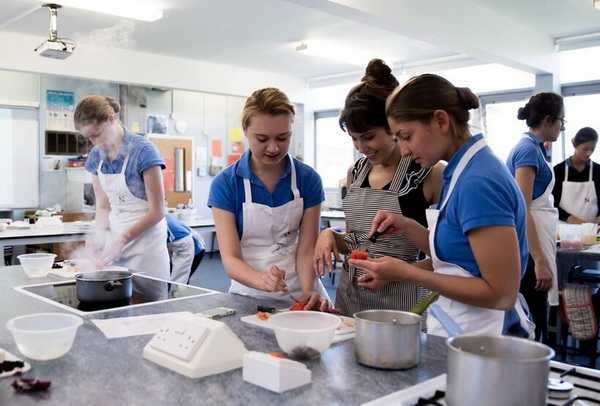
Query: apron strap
{"points": [[362, 173], [566, 170], [475, 148], [125, 161], [590, 163], [294, 184], [247, 191], [400, 173]]}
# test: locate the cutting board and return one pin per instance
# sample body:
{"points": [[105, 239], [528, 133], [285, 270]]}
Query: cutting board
{"points": [[345, 331]]}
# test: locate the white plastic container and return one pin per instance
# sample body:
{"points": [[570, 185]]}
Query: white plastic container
{"points": [[44, 336], [302, 331], [37, 265], [273, 373]]}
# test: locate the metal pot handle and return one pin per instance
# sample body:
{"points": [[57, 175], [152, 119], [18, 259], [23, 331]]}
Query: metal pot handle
{"points": [[110, 285], [447, 322]]}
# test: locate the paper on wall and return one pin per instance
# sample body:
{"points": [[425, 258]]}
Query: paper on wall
{"points": [[235, 134], [134, 326]]}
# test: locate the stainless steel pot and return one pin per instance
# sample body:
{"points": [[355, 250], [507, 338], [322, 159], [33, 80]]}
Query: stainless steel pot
{"points": [[103, 286], [497, 371], [387, 339]]}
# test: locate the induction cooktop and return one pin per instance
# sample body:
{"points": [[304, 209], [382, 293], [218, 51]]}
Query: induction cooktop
{"points": [[146, 291]]}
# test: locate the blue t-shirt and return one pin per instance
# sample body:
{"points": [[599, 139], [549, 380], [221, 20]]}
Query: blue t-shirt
{"points": [[142, 155], [176, 230], [485, 195], [227, 188], [530, 152]]}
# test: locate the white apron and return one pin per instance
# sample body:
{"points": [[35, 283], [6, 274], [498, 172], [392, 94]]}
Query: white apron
{"points": [[270, 237], [545, 217], [148, 252], [579, 198], [471, 319]]}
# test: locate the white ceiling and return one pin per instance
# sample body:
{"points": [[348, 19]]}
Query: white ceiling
{"points": [[260, 33]]}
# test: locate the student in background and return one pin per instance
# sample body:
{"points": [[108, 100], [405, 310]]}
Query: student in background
{"points": [[186, 250], [577, 181], [127, 179], [544, 114]]}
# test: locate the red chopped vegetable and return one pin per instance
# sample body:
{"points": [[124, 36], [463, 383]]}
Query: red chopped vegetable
{"points": [[359, 254], [262, 316], [277, 354], [297, 306]]}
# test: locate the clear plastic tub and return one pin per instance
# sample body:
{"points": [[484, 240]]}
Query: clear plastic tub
{"points": [[37, 265], [44, 336], [304, 331]]}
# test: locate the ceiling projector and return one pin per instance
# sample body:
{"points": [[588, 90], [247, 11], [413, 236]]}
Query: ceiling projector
{"points": [[54, 47]]}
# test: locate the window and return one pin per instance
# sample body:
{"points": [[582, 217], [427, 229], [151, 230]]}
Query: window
{"points": [[333, 149], [578, 65], [581, 111], [502, 128]]}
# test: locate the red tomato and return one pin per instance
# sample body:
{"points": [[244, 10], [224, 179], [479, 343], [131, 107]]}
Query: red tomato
{"points": [[297, 306], [359, 254]]}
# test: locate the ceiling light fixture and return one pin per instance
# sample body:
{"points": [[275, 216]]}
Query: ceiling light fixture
{"points": [[596, 4], [338, 52], [136, 10]]}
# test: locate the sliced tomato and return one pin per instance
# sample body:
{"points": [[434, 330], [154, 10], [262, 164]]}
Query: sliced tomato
{"points": [[297, 306], [262, 316], [359, 254]]}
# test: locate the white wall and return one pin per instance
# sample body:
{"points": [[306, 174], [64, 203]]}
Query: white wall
{"points": [[127, 66], [19, 89]]}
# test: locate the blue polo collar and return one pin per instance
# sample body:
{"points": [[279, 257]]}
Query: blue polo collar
{"points": [[449, 170], [243, 168]]}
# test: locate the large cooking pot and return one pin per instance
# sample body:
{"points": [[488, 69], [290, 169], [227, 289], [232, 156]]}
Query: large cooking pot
{"points": [[103, 286], [497, 371], [387, 339]]}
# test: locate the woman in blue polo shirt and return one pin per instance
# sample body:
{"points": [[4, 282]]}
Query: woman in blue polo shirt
{"points": [[127, 179], [544, 114], [481, 209], [266, 209]]}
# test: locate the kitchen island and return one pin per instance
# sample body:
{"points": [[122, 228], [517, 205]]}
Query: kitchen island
{"points": [[98, 371]]}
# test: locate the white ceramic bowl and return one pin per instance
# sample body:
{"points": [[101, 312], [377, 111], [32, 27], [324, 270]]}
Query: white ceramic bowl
{"points": [[44, 336], [37, 265], [304, 329]]}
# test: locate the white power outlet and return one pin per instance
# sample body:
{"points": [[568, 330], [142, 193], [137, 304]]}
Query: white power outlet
{"points": [[178, 341]]}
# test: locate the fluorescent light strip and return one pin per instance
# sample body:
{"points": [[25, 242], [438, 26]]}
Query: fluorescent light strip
{"points": [[136, 10]]}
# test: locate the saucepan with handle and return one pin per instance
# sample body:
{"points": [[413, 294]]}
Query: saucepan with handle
{"points": [[495, 370], [109, 285]]}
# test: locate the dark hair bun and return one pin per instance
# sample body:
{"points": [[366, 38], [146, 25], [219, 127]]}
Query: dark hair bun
{"points": [[378, 74], [523, 113], [113, 103], [468, 99]]}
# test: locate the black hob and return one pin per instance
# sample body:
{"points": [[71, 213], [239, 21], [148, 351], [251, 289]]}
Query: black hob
{"points": [[146, 290]]}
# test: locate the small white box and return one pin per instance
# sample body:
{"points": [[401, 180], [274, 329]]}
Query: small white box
{"points": [[274, 373]]}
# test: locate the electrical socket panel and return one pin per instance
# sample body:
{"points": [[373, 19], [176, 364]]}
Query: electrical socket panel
{"points": [[179, 341]]}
